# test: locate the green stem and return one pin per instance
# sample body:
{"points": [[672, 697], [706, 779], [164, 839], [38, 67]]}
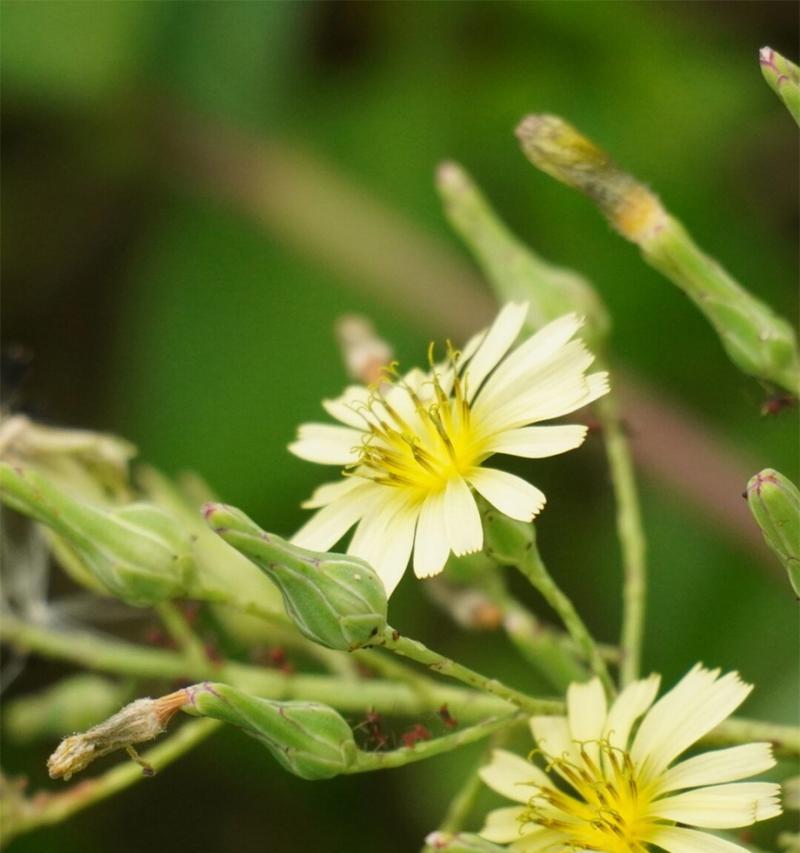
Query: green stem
{"points": [[531, 565], [368, 761], [553, 655], [181, 632], [784, 739], [631, 538], [47, 809], [413, 649], [106, 654]]}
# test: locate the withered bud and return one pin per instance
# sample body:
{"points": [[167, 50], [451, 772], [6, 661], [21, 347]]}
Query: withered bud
{"points": [[364, 353], [137, 722]]}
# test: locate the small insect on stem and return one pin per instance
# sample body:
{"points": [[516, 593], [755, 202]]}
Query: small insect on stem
{"points": [[450, 722], [137, 722]]}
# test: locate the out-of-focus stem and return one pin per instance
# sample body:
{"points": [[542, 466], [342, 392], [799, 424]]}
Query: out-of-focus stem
{"points": [[181, 632], [534, 569], [47, 809], [119, 657], [513, 269], [783, 78], [106, 654], [631, 537], [553, 655], [758, 341], [415, 650], [735, 730]]}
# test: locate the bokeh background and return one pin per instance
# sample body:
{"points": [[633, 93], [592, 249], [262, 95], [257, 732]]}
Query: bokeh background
{"points": [[193, 192]]}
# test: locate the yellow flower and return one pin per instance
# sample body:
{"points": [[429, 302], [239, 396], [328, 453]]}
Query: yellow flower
{"points": [[414, 447], [617, 789]]}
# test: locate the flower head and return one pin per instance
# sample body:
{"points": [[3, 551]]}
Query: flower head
{"points": [[611, 784], [413, 447]]}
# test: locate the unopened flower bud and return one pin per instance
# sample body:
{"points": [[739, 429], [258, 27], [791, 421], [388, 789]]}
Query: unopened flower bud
{"points": [[783, 77], [309, 739], [138, 552], [505, 539], [365, 354], [461, 842], [138, 722], [774, 501], [515, 271], [72, 704], [335, 600]]}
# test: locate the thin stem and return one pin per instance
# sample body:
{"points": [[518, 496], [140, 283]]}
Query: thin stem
{"points": [[369, 761], [106, 654], [47, 809], [461, 805], [109, 654], [531, 565], [735, 730], [552, 655], [631, 538], [181, 632], [417, 651]]}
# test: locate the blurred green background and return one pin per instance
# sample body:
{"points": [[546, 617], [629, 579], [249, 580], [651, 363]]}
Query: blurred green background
{"points": [[164, 307]]}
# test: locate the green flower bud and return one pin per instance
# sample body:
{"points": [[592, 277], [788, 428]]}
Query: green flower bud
{"points": [[783, 78], [310, 740], [461, 842], [335, 600], [137, 553], [505, 540], [515, 271], [774, 501], [73, 704]]}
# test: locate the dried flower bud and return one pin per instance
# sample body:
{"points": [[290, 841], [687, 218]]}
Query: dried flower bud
{"points": [[758, 341], [72, 704], [138, 552], [461, 842], [774, 501], [335, 600], [137, 722], [85, 463], [365, 354], [310, 740]]}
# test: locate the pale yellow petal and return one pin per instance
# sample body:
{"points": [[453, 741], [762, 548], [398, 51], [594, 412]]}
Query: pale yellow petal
{"points": [[721, 765], [327, 444], [512, 776], [586, 715], [502, 334], [502, 825], [676, 839], [432, 546], [529, 356], [538, 442], [462, 519], [696, 705], [512, 495], [327, 526], [626, 709], [721, 806]]}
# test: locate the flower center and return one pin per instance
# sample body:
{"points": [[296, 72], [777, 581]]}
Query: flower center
{"points": [[606, 810], [432, 441]]}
